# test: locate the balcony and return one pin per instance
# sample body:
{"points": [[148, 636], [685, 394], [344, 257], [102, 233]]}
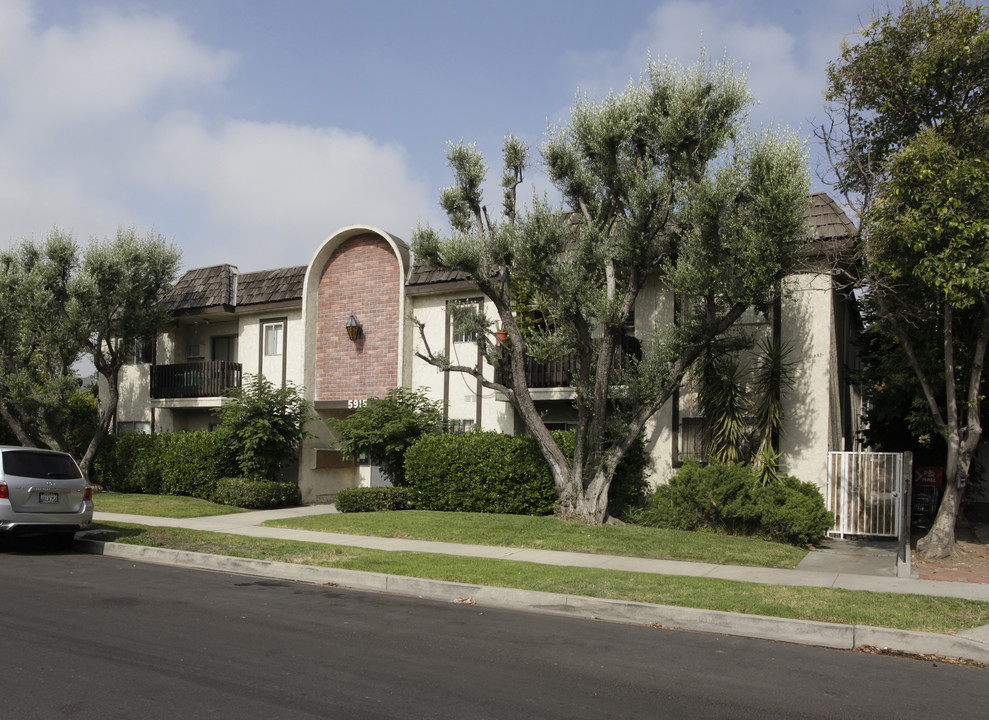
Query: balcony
{"points": [[560, 373], [194, 380]]}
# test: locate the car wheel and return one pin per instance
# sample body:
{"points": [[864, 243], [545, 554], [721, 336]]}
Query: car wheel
{"points": [[59, 541]]}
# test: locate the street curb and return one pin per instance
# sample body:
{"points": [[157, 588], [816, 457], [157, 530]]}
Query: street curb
{"points": [[801, 632]]}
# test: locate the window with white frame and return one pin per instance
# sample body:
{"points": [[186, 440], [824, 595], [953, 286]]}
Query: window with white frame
{"points": [[274, 338], [458, 336]]}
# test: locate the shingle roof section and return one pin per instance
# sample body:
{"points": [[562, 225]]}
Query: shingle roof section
{"points": [[425, 275], [210, 287], [827, 219], [268, 286], [201, 288]]}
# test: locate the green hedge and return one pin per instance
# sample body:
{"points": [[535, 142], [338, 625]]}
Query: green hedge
{"points": [[255, 494], [127, 463], [372, 499], [496, 473], [731, 499], [182, 463]]}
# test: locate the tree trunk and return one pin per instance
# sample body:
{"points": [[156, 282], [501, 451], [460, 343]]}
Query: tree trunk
{"points": [[108, 412], [939, 542], [586, 505]]}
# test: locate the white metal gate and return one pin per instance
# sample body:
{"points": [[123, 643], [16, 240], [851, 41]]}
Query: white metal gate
{"points": [[865, 493]]}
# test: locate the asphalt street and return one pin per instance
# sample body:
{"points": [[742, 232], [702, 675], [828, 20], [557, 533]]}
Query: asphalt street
{"points": [[88, 636]]}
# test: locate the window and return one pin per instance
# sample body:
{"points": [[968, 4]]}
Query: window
{"points": [[463, 337], [692, 441], [274, 338], [459, 427], [40, 465], [224, 348], [144, 349], [136, 426]]}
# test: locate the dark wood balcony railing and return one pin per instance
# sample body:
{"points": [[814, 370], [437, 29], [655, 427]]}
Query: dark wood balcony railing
{"points": [[561, 372], [194, 380]]}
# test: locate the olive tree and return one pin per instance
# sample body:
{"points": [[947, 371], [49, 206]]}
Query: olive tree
{"points": [[57, 306], [38, 349], [663, 188]]}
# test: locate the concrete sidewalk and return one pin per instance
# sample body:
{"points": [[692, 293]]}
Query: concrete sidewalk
{"points": [[868, 567], [844, 564]]}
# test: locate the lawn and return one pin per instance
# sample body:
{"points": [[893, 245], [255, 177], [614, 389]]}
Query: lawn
{"points": [[172, 506], [543, 533], [551, 533], [906, 612]]}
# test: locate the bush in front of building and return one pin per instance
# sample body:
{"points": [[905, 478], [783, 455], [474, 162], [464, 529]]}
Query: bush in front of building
{"points": [[128, 463], [372, 499], [255, 494], [192, 463], [385, 428], [732, 499], [496, 473], [182, 463]]}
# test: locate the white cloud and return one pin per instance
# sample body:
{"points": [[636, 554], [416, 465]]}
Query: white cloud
{"points": [[785, 68], [105, 124], [273, 192]]}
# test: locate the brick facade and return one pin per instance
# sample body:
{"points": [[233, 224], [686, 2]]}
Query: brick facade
{"points": [[360, 278]]}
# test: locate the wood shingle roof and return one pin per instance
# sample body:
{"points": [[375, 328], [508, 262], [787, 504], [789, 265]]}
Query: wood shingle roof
{"points": [[222, 287]]}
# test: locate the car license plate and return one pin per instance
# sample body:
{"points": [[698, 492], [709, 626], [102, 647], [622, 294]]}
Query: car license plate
{"points": [[48, 498]]}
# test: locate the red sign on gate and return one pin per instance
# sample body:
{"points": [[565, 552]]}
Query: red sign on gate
{"points": [[928, 475]]}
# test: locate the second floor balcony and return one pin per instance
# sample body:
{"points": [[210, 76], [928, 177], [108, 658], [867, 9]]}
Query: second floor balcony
{"points": [[561, 373], [194, 380]]}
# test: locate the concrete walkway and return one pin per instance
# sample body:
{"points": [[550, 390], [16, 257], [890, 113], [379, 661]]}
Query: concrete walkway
{"points": [[842, 564]]}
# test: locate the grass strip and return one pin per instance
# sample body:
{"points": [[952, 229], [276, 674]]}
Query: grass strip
{"points": [[172, 506], [551, 533], [905, 612]]}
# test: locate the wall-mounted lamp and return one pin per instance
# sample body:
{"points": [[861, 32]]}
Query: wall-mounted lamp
{"points": [[353, 328]]}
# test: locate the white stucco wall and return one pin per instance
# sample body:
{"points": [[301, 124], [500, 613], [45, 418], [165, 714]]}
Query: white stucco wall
{"points": [[496, 414], [807, 328]]}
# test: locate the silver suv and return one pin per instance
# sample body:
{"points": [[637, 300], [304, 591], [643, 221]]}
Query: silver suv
{"points": [[43, 492]]}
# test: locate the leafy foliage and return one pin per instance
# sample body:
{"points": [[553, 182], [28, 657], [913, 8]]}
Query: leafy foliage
{"points": [[385, 428], [55, 307], [908, 137], [496, 473], [479, 472], [128, 463], [372, 499], [743, 408], [264, 425], [117, 301], [38, 344], [183, 463], [732, 499], [255, 494], [661, 189]]}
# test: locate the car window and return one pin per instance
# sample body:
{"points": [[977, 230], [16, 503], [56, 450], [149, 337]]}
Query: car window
{"points": [[39, 465]]}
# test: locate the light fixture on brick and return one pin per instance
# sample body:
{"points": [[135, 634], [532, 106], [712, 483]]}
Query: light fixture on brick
{"points": [[353, 328]]}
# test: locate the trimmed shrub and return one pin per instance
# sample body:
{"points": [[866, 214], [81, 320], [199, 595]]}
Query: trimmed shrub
{"points": [[128, 463], [372, 499], [255, 494], [183, 463], [479, 472], [732, 500], [191, 463], [496, 473]]}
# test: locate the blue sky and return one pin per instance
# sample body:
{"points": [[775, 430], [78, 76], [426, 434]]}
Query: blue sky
{"points": [[247, 131]]}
